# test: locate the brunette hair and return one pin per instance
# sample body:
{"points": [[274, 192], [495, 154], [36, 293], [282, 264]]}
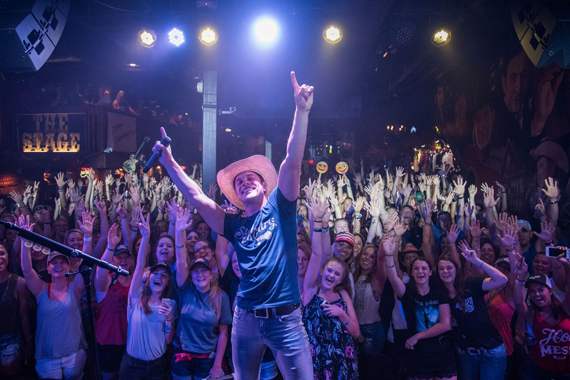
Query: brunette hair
{"points": [[344, 283], [10, 266], [358, 269], [146, 293], [70, 232], [458, 282], [305, 236], [152, 260], [412, 282], [307, 250]]}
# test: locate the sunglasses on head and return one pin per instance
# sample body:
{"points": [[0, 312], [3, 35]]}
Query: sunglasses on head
{"points": [[42, 207]]}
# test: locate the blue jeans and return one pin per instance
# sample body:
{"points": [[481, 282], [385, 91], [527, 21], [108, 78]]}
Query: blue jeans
{"points": [[284, 335], [489, 364], [136, 369], [374, 338]]}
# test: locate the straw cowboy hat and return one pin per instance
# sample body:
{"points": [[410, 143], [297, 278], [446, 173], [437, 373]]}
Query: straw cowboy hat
{"points": [[257, 164]]}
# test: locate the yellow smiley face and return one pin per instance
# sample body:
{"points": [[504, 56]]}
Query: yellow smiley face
{"points": [[341, 167], [322, 167]]}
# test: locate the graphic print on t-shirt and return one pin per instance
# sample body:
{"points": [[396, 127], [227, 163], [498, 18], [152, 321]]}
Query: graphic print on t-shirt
{"points": [[427, 314], [251, 238], [469, 305]]}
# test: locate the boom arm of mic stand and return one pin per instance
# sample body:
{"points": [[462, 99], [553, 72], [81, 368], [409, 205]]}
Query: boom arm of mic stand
{"points": [[55, 246]]}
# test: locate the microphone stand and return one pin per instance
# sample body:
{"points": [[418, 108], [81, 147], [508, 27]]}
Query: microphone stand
{"points": [[85, 270]]}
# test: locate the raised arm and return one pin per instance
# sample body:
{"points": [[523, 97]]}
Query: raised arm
{"points": [[181, 226], [212, 213], [222, 254], [310, 286], [389, 246], [521, 269], [290, 171], [553, 194], [495, 280], [102, 280], [566, 303], [34, 283], [136, 279]]}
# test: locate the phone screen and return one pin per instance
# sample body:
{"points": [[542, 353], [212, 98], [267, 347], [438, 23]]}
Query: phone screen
{"points": [[556, 252]]}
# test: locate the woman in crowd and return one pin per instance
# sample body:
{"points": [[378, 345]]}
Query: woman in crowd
{"points": [[358, 244], [202, 332], [328, 314], [191, 238], [370, 279], [480, 346], [15, 334], [164, 252], [60, 343], [150, 317], [430, 352], [111, 320], [549, 353]]}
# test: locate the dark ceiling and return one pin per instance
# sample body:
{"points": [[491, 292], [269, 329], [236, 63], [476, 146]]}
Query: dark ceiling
{"points": [[374, 75]]}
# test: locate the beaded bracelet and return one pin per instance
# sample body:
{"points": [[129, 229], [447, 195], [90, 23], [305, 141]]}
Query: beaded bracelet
{"points": [[347, 322]]}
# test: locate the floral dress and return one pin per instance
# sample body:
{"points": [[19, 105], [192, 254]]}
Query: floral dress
{"points": [[332, 348]]}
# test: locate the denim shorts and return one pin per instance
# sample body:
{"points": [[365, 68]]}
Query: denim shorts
{"points": [[11, 347], [374, 338], [197, 368], [136, 369]]}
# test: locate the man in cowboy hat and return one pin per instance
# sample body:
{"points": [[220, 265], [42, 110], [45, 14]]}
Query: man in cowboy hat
{"points": [[264, 235]]}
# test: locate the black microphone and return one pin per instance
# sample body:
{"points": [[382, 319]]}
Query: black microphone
{"points": [[166, 142]]}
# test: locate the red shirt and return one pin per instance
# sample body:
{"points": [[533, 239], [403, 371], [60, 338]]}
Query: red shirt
{"points": [[552, 348], [111, 322], [501, 314]]}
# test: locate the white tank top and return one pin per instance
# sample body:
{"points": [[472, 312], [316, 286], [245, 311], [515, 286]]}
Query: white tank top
{"points": [[365, 305]]}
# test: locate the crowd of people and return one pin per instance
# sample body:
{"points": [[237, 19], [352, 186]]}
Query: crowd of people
{"points": [[394, 274], [392, 285]]}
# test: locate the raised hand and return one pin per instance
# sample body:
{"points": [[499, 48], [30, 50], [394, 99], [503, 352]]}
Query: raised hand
{"points": [[503, 221], [109, 180], [489, 199], [101, 207], [399, 228], [113, 236], [358, 204], [182, 219], [144, 225], [166, 156], [121, 211], [173, 210], [116, 198], [546, 232], [135, 216], [318, 208], [521, 267], [391, 221], [303, 94], [70, 183], [551, 190], [59, 180], [309, 189], [373, 208], [212, 189], [399, 172], [24, 222], [472, 191], [475, 229], [514, 223], [388, 244], [453, 233], [17, 197], [87, 225], [501, 187], [469, 254], [541, 209], [459, 186], [509, 237]]}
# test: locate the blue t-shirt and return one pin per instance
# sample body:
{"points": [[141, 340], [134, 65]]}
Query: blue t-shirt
{"points": [[266, 245]]}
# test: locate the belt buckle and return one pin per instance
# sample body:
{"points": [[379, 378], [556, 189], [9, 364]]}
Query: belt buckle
{"points": [[473, 351], [257, 315]]}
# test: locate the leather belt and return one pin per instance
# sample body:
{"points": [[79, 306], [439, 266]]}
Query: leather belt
{"points": [[274, 311]]}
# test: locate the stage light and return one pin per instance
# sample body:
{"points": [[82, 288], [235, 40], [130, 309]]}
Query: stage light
{"points": [[332, 34], [208, 36], [441, 37], [147, 38], [266, 30], [176, 37]]}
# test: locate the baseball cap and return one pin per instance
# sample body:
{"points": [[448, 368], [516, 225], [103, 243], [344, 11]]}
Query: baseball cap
{"points": [[346, 237], [55, 254], [161, 265], [197, 262], [503, 259], [540, 279], [525, 224], [121, 248]]}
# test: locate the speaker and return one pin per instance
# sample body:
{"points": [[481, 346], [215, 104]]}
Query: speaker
{"points": [[29, 32], [543, 29]]}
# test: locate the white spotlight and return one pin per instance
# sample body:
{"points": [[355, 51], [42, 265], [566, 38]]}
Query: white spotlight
{"points": [[266, 30], [176, 37]]}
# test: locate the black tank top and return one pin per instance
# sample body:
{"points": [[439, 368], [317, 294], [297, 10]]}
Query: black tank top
{"points": [[9, 306]]}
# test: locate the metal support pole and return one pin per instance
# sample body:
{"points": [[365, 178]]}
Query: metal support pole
{"points": [[209, 111]]}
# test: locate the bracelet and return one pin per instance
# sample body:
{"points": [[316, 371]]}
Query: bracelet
{"points": [[553, 203], [61, 190], [134, 229], [397, 241], [172, 223], [388, 254], [179, 246], [519, 282], [481, 265], [110, 249], [390, 266], [326, 230], [461, 197], [317, 221], [87, 238], [318, 229], [347, 322]]}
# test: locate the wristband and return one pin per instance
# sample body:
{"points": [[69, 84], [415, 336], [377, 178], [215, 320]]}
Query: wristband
{"points": [[61, 190], [553, 202], [317, 221], [347, 322], [110, 249], [481, 265], [390, 266], [461, 197], [326, 230], [179, 246], [519, 282], [317, 229], [87, 238]]}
